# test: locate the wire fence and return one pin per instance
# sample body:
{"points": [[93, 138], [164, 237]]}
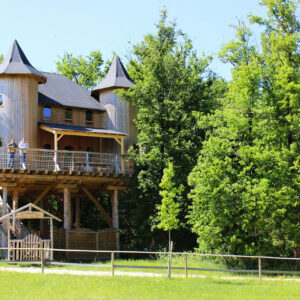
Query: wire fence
{"points": [[63, 160], [186, 267]]}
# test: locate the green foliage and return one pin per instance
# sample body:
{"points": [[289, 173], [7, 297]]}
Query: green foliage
{"points": [[1, 58], [87, 71], [245, 187], [171, 82], [169, 209]]}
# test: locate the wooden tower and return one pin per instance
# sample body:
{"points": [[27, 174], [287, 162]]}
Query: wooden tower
{"points": [[120, 114], [19, 97]]}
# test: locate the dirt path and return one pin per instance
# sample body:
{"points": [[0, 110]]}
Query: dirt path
{"points": [[133, 274]]}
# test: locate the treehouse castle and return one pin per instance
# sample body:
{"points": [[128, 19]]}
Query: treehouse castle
{"points": [[78, 142]]}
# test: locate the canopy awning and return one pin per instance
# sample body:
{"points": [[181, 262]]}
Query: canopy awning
{"points": [[81, 131], [59, 130]]}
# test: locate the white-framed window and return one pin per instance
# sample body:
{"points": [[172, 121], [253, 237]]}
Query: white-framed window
{"points": [[47, 113]]}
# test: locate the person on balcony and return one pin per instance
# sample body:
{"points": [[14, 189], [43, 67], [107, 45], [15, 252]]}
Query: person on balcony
{"points": [[12, 146], [23, 145]]}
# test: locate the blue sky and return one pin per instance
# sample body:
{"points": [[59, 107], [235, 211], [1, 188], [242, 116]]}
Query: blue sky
{"points": [[46, 29]]}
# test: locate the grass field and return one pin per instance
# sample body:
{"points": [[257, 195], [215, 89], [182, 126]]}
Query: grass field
{"points": [[37, 286]]}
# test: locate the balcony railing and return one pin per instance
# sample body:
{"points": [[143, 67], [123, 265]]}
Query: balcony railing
{"points": [[77, 161]]}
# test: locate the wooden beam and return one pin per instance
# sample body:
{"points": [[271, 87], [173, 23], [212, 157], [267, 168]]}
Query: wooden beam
{"points": [[59, 137], [51, 178], [67, 209], [8, 184], [82, 133], [69, 186], [15, 204], [115, 217], [46, 128], [104, 213], [118, 141], [44, 193], [116, 187]]}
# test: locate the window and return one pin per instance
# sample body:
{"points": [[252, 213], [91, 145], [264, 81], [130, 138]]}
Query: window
{"points": [[1, 100], [89, 116], [47, 112], [68, 114], [47, 146], [1, 141], [69, 148]]}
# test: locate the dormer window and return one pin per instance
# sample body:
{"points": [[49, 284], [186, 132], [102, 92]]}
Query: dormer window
{"points": [[47, 113], [68, 114], [1, 100], [89, 116]]}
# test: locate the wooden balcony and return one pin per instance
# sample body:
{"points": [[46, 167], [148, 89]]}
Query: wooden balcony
{"points": [[71, 162]]}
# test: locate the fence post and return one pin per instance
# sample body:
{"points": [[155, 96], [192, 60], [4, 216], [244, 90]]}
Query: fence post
{"points": [[170, 260], [112, 263], [186, 265], [259, 267], [42, 260]]}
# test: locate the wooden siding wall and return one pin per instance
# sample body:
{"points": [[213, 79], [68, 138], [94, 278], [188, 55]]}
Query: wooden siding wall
{"points": [[79, 143], [120, 116], [79, 116], [19, 111]]}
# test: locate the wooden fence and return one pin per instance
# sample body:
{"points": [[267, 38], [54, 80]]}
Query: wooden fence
{"points": [[32, 241], [168, 267], [85, 239]]}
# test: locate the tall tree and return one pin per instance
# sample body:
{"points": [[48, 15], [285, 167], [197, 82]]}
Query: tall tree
{"points": [[245, 187], [171, 82], [87, 71], [169, 208]]}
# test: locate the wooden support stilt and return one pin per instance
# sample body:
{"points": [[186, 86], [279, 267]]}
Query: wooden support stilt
{"points": [[115, 217], [4, 212], [15, 204], [77, 222], [67, 209], [67, 215], [51, 238]]}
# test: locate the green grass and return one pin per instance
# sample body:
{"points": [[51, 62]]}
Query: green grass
{"points": [[23, 286]]}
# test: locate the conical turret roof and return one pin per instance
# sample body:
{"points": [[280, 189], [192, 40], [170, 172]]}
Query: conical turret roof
{"points": [[116, 77], [16, 62]]}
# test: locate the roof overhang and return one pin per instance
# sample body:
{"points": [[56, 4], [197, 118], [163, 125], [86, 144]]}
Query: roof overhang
{"points": [[81, 131], [29, 206]]}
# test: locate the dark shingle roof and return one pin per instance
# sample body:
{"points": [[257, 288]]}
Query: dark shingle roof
{"points": [[117, 76], [60, 90], [16, 62], [82, 129]]}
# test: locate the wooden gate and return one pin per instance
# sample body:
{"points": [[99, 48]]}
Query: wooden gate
{"points": [[31, 241]]}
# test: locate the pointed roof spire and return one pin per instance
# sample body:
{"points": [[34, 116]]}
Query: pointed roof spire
{"points": [[16, 62], [116, 77]]}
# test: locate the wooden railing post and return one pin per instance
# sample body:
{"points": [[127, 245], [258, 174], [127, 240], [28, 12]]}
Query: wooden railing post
{"points": [[112, 263], [186, 265], [42, 258], [259, 268]]}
